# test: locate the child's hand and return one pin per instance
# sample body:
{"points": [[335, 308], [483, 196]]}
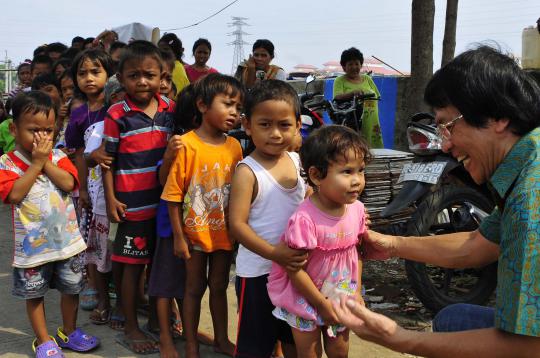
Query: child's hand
{"points": [[63, 112], [292, 260], [101, 157], [41, 149], [174, 145], [116, 210], [327, 313], [84, 201], [181, 248], [368, 220]]}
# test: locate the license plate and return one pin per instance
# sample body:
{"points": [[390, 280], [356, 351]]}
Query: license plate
{"points": [[423, 172]]}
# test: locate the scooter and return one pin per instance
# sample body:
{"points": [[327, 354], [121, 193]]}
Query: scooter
{"points": [[445, 200]]}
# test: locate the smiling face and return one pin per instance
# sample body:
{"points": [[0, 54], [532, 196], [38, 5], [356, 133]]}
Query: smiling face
{"points": [[28, 125], [224, 112], [343, 182], [141, 79], [476, 148], [91, 77], [272, 127], [262, 58], [352, 68], [201, 54]]}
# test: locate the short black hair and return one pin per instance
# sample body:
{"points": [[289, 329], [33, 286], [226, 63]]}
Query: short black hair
{"points": [[33, 102], [265, 44], [186, 115], [97, 56], [330, 144], [56, 47], [40, 50], [77, 39], [71, 53], [174, 43], [483, 84], [41, 59], [45, 79], [117, 45], [167, 56], [272, 90], [24, 64], [66, 74], [200, 42], [351, 54], [64, 62], [137, 51], [88, 40]]}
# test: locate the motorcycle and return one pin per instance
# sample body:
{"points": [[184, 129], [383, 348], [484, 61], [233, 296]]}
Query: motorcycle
{"points": [[446, 200], [344, 112]]}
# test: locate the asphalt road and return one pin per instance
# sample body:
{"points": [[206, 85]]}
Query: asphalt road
{"points": [[16, 333]]}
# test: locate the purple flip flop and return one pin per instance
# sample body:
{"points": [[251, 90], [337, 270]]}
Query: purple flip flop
{"points": [[77, 341]]}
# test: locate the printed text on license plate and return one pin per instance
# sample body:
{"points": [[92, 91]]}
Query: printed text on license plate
{"points": [[424, 172]]}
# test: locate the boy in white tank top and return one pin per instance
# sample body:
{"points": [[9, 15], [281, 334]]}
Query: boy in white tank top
{"points": [[266, 190]]}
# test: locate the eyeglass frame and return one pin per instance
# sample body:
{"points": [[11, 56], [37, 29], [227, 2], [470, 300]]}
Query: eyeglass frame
{"points": [[442, 126]]}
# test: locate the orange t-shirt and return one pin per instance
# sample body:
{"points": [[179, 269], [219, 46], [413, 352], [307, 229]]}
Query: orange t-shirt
{"points": [[200, 178]]}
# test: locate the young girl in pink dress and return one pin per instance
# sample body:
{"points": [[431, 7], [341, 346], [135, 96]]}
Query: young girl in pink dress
{"points": [[329, 225]]}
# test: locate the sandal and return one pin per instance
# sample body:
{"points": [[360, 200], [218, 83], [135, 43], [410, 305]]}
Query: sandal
{"points": [[118, 320], [77, 341], [89, 299], [176, 328], [47, 349], [100, 317]]}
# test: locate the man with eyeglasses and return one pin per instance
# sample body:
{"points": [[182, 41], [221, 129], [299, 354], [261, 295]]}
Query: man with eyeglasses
{"points": [[488, 115]]}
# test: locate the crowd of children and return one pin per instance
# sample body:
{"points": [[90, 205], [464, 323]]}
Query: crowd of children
{"points": [[116, 181]]}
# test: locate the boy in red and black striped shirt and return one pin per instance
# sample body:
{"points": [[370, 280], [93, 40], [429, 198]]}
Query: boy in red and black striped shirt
{"points": [[136, 133]]}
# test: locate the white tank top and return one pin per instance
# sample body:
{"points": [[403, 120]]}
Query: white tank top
{"points": [[268, 214]]}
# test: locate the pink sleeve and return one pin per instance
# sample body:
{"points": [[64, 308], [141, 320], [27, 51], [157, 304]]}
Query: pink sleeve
{"points": [[300, 233]]}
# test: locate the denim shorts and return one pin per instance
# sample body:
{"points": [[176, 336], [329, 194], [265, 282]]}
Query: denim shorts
{"points": [[66, 276]]}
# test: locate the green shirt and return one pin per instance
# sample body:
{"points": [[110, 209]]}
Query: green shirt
{"points": [[7, 142], [517, 232], [371, 127]]}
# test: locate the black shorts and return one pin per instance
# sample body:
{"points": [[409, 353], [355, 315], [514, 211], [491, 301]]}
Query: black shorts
{"points": [[258, 329], [134, 242], [168, 274]]}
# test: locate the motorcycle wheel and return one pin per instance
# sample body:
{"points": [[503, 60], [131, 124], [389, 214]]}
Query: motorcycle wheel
{"points": [[438, 287]]}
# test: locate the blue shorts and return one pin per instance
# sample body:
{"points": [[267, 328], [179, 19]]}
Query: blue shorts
{"points": [[66, 276]]}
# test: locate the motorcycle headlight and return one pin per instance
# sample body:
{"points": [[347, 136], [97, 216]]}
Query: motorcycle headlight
{"points": [[423, 142]]}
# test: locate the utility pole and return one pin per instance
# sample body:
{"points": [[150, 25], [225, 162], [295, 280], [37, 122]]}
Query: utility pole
{"points": [[238, 42]]}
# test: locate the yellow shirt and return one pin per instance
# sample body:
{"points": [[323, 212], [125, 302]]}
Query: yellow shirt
{"points": [[179, 76], [200, 178]]}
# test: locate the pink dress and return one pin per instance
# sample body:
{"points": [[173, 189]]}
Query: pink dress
{"points": [[195, 75], [332, 263]]}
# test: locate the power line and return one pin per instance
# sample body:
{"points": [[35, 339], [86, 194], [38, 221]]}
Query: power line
{"points": [[203, 20]]}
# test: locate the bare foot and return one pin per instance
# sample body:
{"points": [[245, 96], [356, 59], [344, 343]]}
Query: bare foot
{"points": [[205, 338], [226, 348], [117, 319], [139, 342]]}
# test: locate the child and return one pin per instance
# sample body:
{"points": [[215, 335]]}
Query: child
{"points": [[166, 84], [201, 51], [98, 253], [90, 71], [24, 78], [136, 133], [40, 64], [197, 190], [66, 90], [328, 224], [36, 180], [266, 190]]}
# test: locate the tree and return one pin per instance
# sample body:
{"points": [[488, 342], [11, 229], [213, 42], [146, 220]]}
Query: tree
{"points": [[423, 14], [449, 42]]}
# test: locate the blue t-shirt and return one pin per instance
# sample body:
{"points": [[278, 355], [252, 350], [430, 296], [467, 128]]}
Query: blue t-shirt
{"points": [[163, 222]]}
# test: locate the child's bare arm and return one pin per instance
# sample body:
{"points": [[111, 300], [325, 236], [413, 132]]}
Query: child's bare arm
{"points": [[99, 157], [242, 191], [305, 286], [115, 209], [181, 246], [82, 171], [174, 145], [61, 178], [40, 156]]}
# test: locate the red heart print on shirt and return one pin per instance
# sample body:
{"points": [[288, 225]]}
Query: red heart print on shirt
{"points": [[140, 242]]}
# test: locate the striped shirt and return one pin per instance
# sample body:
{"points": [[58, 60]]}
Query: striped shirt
{"points": [[137, 142]]}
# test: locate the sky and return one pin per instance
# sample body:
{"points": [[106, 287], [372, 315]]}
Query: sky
{"points": [[303, 31]]}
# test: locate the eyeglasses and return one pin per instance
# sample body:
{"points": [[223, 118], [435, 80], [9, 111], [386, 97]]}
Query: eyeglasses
{"points": [[444, 130]]}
